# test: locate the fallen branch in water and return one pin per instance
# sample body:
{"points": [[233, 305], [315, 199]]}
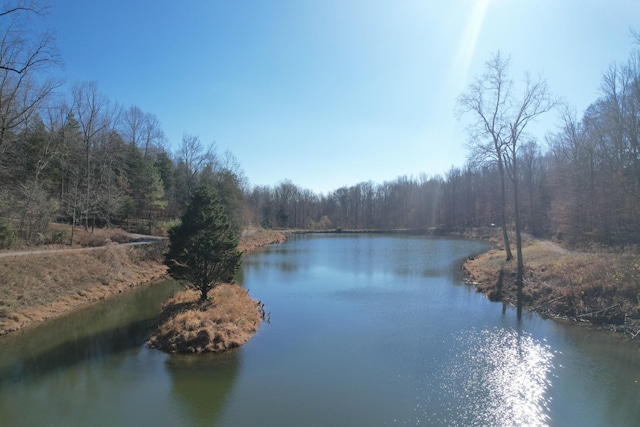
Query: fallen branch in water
{"points": [[597, 312], [544, 304]]}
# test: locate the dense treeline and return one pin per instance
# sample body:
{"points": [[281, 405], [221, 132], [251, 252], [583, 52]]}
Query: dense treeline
{"points": [[75, 156], [89, 164]]}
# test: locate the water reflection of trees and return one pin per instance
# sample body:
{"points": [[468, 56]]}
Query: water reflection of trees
{"points": [[201, 384], [74, 351], [96, 333], [284, 266]]}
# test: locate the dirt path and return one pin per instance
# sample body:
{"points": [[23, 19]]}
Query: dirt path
{"points": [[139, 239]]}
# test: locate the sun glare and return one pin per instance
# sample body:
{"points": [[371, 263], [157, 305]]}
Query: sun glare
{"points": [[468, 40], [508, 371]]}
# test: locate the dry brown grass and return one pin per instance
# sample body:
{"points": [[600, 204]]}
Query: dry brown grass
{"points": [[58, 236], [602, 288], [38, 287], [253, 238], [227, 320], [34, 288], [99, 236]]}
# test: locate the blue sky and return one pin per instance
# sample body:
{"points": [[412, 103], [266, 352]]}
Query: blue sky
{"points": [[334, 92]]}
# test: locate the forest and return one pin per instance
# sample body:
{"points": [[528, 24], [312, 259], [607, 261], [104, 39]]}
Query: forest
{"points": [[69, 154]]}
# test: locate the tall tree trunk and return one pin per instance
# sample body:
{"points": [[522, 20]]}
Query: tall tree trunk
{"points": [[520, 266], [88, 185], [503, 209]]}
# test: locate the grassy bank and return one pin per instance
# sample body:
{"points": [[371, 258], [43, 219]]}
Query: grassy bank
{"points": [[225, 321], [60, 236], [253, 238], [599, 288], [37, 287]]}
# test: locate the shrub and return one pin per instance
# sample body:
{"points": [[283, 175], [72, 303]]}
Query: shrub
{"points": [[7, 236], [60, 236]]}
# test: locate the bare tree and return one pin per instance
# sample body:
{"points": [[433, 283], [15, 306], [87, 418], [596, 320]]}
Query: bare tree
{"points": [[573, 176], [96, 118], [534, 101], [23, 55], [487, 99], [143, 130], [635, 35], [195, 158], [153, 137], [612, 123], [501, 118], [23, 51], [132, 124], [37, 209]]}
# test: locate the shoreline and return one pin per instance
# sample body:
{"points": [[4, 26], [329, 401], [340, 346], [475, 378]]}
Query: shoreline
{"points": [[601, 290], [595, 289], [60, 283], [56, 286], [227, 320]]}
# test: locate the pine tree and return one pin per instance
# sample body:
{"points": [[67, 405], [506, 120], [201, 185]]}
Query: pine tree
{"points": [[203, 251]]}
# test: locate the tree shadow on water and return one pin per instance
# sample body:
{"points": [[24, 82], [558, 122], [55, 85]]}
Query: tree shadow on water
{"points": [[75, 350], [90, 334], [201, 384]]}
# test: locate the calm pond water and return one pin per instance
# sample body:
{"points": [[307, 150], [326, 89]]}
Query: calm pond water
{"points": [[365, 330]]}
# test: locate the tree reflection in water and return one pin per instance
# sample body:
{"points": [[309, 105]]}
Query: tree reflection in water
{"points": [[201, 384]]}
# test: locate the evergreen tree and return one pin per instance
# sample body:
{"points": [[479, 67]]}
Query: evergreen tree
{"points": [[203, 249]]}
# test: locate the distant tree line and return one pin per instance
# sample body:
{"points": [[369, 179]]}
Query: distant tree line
{"points": [[582, 185], [74, 156]]}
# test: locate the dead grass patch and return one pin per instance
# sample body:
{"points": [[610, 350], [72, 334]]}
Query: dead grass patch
{"points": [[601, 288], [58, 236], [253, 238], [227, 320], [38, 287], [99, 236]]}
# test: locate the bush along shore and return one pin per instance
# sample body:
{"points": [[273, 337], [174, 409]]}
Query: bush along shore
{"points": [[598, 288], [37, 287]]}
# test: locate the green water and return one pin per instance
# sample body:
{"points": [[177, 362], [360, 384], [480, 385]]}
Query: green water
{"points": [[365, 330]]}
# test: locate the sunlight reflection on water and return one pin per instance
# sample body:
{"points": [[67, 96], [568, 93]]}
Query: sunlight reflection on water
{"points": [[500, 379]]}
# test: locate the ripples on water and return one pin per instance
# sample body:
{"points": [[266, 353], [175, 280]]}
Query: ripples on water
{"points": [[499, 379]]}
